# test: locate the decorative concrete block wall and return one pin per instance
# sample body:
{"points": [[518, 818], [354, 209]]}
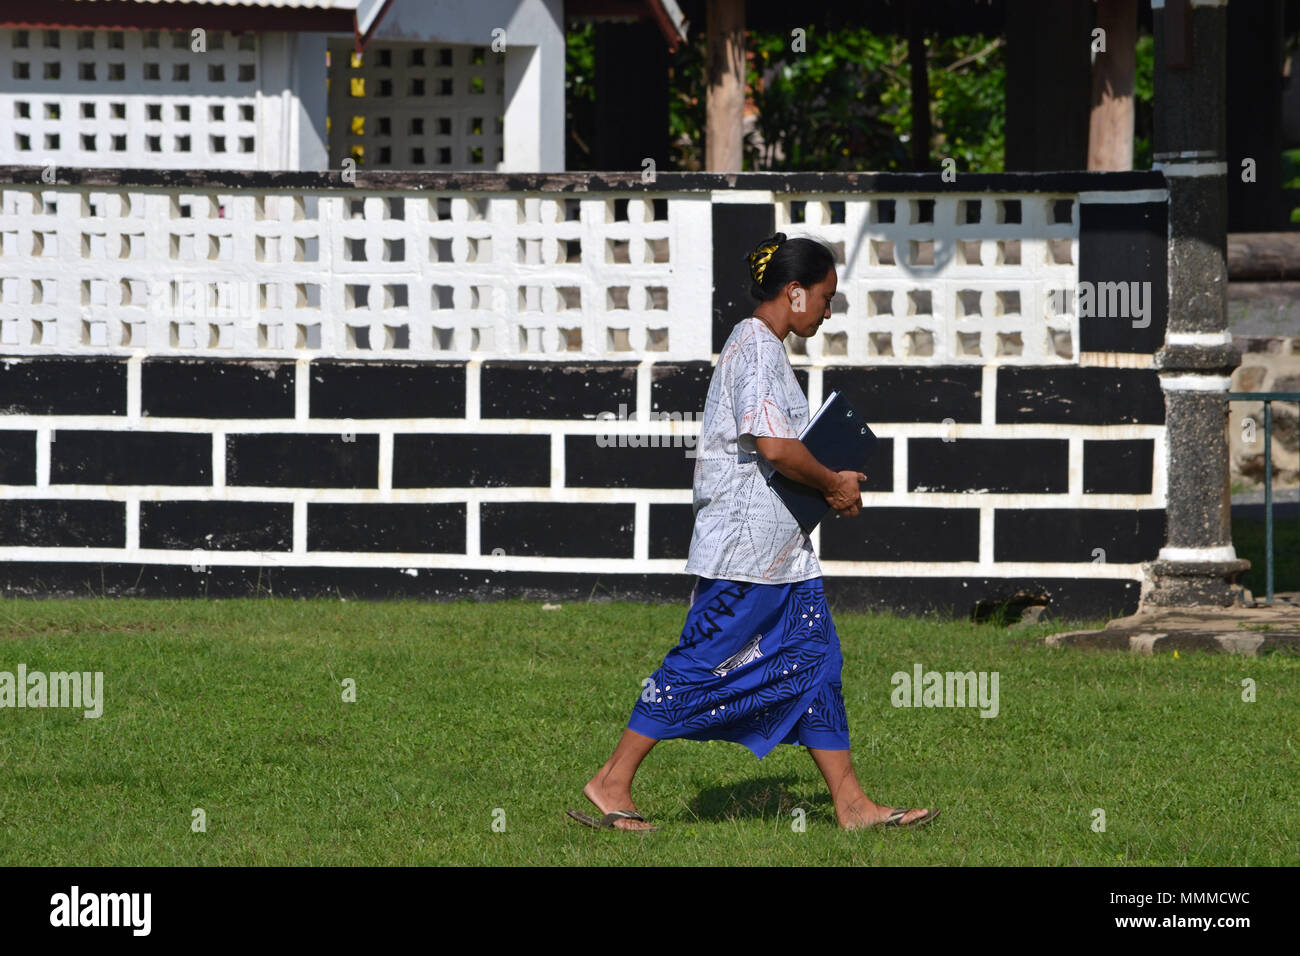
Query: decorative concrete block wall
{"points": [[413, 106], [148, 98], [487, 385]]}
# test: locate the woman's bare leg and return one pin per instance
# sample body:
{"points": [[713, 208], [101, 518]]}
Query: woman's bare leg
{"points": [[853, 808], [611, 788]]}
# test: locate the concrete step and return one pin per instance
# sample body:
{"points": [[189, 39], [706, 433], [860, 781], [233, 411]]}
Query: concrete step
{"points": [[1246, 630]]}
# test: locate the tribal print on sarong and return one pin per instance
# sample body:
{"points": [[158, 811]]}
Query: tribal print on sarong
{"points": [[757, 664]]}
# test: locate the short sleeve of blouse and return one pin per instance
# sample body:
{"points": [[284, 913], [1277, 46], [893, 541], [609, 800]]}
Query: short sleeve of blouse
{"points": [[758, 393]]}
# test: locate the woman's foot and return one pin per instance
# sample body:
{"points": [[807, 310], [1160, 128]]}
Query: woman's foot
{"points": [[609, 795], [862, 812]]}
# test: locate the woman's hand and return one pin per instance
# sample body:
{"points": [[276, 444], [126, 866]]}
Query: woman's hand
{"points": [[792, 458], [844, 495]]}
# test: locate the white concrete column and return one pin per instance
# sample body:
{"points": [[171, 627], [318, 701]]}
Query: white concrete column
{"points": [[534, 109]]}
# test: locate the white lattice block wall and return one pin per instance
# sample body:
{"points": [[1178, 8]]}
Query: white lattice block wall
{"points": [[131, 98], [545, 276], [406, 105], [948, 279]]}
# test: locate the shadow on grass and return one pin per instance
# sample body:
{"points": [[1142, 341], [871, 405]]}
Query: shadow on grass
{"points": [[763, 797]]}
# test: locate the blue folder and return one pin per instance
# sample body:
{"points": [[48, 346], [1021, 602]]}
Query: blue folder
{"points": [[839, 439]]}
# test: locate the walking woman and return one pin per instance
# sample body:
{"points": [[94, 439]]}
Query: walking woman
{"points": [[759, 660]]}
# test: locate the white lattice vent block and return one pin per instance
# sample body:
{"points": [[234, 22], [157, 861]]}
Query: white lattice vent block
{"points": [[947, 278], [129, 98], [408, 105]]}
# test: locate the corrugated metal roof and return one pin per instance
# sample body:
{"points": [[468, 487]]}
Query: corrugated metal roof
{"points": [[365, 13], [297, 4]]}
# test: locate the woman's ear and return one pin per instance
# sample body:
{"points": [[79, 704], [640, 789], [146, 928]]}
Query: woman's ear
{"points": [[798, 296]]}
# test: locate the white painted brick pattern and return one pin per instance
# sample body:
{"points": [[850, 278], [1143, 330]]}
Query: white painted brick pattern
{"points": [[548, 276], [352, 274], [416, 106], [950, 279], [129, 98]]}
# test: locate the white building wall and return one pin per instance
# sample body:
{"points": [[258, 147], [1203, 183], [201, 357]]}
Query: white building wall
{"points": [[529, 36], [407, 105], [161, 99]]}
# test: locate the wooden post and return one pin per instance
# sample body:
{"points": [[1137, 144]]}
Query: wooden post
{"points": [[1110, 129], [725, 110]]}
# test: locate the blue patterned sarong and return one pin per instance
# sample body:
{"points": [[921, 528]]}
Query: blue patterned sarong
{"points": [[758, 664]]}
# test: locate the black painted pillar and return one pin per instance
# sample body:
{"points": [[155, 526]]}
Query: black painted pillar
{"points": [[1198, 564]]}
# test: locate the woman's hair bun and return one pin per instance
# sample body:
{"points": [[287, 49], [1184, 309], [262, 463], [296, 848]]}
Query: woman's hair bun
{"points": [[776, 262], [762, 255]]}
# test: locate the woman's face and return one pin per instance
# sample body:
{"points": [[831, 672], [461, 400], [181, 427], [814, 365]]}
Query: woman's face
{"points": [[816, 305]]}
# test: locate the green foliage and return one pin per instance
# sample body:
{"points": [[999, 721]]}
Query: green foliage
{"points": [[837, 106], [579, 95], [1143, 100], [687, 95], [1291, 169], [844, 104], [968, 79]]}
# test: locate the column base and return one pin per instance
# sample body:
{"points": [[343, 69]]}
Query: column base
{"points": [[1191, 583]]}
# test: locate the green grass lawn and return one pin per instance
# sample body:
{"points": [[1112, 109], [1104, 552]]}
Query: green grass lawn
{"points": [[464, 710]]}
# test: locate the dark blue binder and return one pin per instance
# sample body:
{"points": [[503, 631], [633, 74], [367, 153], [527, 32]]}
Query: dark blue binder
{"points": [[839, 439]]}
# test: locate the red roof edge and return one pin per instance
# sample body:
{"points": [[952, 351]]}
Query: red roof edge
{"points": [[666, 24], [363, 38]]}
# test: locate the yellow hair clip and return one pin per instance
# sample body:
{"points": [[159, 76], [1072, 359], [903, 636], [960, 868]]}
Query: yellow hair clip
{"points": [[761, 260]]}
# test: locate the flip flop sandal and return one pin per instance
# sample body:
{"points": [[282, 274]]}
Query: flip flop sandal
{"points": [[898, 815], [607, 821]]}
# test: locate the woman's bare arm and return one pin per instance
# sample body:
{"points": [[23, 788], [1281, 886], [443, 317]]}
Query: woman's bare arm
{"points": [[792, 458]]}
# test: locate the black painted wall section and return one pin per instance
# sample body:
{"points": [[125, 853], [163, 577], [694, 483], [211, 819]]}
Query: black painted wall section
{"points": [[557, 529], [387, 390], [55, 523], [17, 457], [903, 534], [217, 525], [901, 394], [386, 526], [130, 458], [225, 393], [1060, 534], [1067, 395], [1120, 467], [671, 527], [303, 461], [737, 229], [1125, 242], [680, 388], [999, 465], [550, 391], [184, 388], [63, 386], [471, 461], [1067, 597], [588, 465]]}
